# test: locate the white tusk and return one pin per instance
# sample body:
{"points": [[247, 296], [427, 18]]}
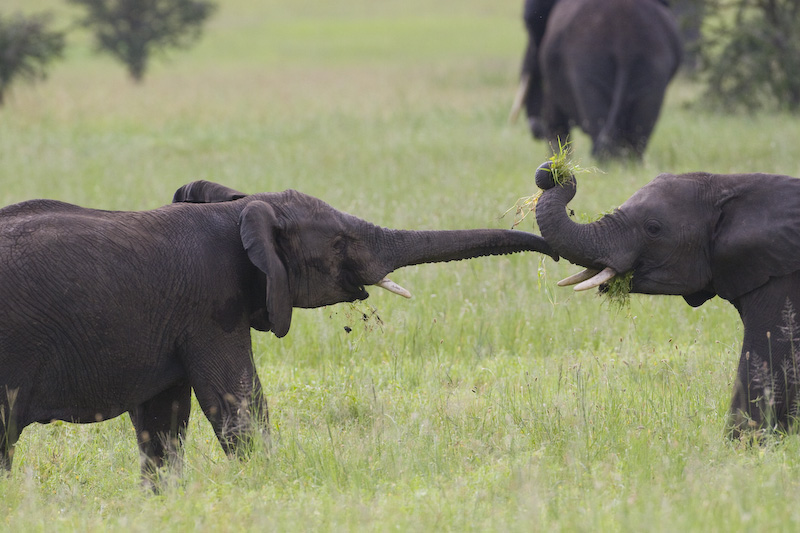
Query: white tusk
{"points": [[524, 81], [391, 286], [577, 278], [597, 280]]}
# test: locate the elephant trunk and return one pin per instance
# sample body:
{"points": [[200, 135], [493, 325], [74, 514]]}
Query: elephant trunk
{"points": [[589, 245], [399, 248]]}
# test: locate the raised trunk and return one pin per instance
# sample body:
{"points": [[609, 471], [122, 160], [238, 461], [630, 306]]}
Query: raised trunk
{"points": [[589, 245], [401, 248]]}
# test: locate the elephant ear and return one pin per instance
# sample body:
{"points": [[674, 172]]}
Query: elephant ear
{"points": [[206, 192], [257, 227], [757, 235]]}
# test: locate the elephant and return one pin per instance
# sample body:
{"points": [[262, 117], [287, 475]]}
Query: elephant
{"points": [[108, 312], [601, 66], [700, 235]]}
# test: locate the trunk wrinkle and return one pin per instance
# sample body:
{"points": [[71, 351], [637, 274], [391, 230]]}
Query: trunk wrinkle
{"points": [[588, 245]]}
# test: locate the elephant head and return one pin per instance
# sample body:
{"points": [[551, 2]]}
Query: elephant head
{"points": [[313, 255], [699, 235]]}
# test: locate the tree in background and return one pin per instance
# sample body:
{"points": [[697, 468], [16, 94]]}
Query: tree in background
{"points": [[26, 48], [690, 15], [752, 49], [133, 30]]}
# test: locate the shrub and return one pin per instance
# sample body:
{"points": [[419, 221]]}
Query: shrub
{"points": [[752, 49], [132, 30], [26, 48]]}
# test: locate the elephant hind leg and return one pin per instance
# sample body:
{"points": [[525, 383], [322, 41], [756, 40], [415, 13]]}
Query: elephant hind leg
{"points": [[7, 441], [10, 427], [160, 425]]}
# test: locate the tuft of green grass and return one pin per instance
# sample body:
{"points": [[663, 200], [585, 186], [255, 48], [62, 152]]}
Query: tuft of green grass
{"points": [[562, 166], [617, 291]]}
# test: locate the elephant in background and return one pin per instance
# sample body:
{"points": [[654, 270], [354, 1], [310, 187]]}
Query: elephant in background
{"points": [[112, 312], [602, 66], [699, 235]]}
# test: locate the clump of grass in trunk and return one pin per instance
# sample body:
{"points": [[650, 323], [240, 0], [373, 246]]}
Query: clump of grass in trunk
{"points": [[561, 167]]}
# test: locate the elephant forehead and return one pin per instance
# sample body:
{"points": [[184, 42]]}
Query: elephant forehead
{"points": [[663, 196]]}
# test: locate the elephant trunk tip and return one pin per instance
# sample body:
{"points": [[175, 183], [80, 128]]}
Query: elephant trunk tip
{"points": [[552, 173]]}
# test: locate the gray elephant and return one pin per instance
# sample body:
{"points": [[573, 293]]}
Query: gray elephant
{"points": [[111, 312], [601, 66], [699, 235]]}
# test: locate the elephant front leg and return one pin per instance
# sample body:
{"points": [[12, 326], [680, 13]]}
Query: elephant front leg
{"points": [[235, 406], [748, 405], [765, 393], [160, 425]]}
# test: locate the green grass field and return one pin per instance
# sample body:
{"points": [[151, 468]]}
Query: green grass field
{"points": [[493, 400]]}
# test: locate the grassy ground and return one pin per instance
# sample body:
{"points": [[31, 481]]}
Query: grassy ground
{"points": [[491, 401]]}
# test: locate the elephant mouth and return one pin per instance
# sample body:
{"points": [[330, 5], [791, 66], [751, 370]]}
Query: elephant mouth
{"points": [[640, 281]]}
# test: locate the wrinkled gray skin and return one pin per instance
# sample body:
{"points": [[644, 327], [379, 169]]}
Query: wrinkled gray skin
{"points": [[111, 312], [699, 235], [602, 66]]}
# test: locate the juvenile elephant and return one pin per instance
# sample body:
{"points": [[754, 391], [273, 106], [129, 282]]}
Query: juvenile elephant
{"points": [[699, 235], [111, 312], [603, 66]]}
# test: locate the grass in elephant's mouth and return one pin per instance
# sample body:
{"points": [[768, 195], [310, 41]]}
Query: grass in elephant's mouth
{"points": [[618, 290], [562, 166]]}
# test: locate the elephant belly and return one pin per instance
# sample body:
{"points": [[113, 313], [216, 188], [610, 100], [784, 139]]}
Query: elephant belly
{"points": [[96, 392]]}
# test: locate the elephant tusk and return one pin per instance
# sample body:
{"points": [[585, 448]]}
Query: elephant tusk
{"points": [[577, 278], [391, 286], [597, 280], [522, 91]]}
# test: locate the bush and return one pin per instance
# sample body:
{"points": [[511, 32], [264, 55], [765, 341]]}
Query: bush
{"points": [[26, 48], [752, 49], [132, 30]]}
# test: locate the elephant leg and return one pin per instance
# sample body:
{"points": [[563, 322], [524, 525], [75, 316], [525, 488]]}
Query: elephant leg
{"points": [[556, 129], [8, 438], [640, 120], [765, 395], [10, 427], [231, 397], [160, 425]]}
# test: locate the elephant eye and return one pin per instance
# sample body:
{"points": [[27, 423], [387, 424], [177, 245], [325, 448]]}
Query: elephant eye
{"points": [[653, 228], [339, 245]]}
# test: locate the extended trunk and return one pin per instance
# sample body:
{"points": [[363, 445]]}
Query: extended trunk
{"points": [[404, 248], [416, 247]]}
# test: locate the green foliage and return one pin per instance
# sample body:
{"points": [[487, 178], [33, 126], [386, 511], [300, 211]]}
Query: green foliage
{"points": [[751, 49], [133, 30], [27, 47]]}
